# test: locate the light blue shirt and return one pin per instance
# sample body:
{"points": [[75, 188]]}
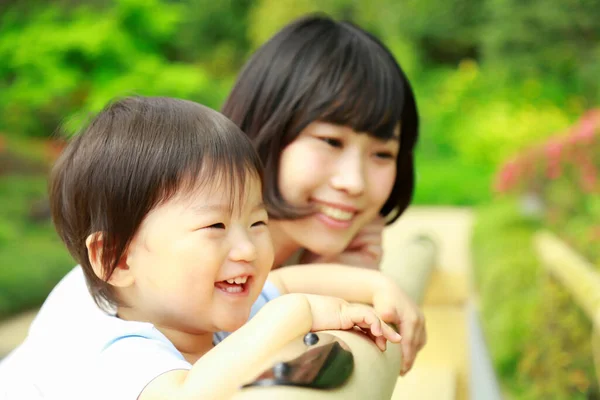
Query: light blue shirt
{"points": [[75, 350]]}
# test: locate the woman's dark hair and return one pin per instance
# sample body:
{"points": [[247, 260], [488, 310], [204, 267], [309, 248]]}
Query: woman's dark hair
{"points": [[318, 69], [135, 154]]}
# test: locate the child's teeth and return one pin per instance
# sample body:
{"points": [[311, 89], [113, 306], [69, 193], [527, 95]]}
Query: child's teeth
{"points": [[239, 280], [234, 289], [336, 213]]}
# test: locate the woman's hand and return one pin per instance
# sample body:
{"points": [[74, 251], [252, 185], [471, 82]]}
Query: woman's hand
{"points": [[335, 313], [365, 250], [394, 306]]}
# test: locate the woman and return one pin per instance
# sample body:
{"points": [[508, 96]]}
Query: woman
{"points": [[334, 121]]}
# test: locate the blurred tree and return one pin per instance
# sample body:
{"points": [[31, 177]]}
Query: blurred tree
{"points": [[443, 32], [214, 33], [540, 39], [268, 16], [58, 60]]}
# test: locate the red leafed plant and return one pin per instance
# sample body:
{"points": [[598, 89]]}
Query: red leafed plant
{"points": [[575, 152], [562, 176]]}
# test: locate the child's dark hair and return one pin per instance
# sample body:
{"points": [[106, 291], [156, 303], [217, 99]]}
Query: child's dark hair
{"points": [[137, 153], [318, 69]]}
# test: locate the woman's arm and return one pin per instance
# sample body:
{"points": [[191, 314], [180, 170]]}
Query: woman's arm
{"points": [[223, 370]]}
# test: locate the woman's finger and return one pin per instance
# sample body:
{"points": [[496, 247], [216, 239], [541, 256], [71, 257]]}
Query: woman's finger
{"points": [[365, 239], [390, 334]]}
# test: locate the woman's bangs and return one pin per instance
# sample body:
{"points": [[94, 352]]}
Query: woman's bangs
{"points": [[365, 92]]}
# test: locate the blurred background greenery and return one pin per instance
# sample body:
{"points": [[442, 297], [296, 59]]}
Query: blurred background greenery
{"points": [[496, 81]]}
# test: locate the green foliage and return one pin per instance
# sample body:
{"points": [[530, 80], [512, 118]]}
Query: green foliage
{"points": [[444, 32], [491, 77], [506, 281], [268, 16], [544, 39], [539, 340], [557, 358], [33, 258], [460, 116], [214, 35], [470, 132], [57, 61], [451, 180]]}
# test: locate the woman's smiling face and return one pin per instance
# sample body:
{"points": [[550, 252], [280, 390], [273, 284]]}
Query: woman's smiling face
{"points": [[347, 176]]}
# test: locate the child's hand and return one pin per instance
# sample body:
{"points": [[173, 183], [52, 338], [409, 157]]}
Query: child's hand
{"points": [[394, 306], [334, 313], [365, 249]]}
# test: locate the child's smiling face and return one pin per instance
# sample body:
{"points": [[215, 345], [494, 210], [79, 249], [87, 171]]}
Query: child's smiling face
{"points": [[186, 251]]}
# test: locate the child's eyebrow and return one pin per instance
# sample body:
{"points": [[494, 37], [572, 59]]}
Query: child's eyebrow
{"points": [[200, 209], [222, 208]]}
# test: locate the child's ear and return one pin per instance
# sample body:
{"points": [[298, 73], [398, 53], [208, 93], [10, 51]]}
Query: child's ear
{"points": [[121, 276]]}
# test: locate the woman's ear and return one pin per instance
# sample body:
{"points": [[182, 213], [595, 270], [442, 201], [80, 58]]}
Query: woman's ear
{"points": [[121, 276]]}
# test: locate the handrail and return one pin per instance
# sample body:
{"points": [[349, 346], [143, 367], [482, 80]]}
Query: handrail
{"points": [[573, 271], [375, 372], [578, 276], [412, 265]]}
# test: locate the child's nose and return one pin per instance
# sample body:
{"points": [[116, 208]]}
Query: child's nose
{"points": [[242, 249]]}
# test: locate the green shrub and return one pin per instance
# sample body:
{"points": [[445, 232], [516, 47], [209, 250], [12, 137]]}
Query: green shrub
{"points": [[62, 62], [451, 180], [32, 256], [557, 358], [538, 338]]}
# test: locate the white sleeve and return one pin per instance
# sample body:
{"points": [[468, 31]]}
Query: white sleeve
{"points": [[129, 364]]}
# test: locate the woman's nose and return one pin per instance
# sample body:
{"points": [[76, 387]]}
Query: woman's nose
{"points": [[349, 175]]}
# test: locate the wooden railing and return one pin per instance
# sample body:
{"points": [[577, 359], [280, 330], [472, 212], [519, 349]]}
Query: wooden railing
{"points": [[578, 276], [375, 372], [412, 266]]}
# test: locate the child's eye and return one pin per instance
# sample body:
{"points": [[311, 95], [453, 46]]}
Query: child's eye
{"points": [[259, 223], [333, 142], [218, 225]]}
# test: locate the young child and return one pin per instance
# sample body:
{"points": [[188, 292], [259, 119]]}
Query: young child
{"points": [[159, 200]]}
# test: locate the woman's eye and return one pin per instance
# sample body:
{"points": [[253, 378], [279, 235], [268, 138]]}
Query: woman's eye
{"points": [[386, 155], [332, 142], [219, 225], [259, 223]]}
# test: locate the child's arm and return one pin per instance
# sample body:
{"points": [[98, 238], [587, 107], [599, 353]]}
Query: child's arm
{"points": [[221, 372], [360, 285]]}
